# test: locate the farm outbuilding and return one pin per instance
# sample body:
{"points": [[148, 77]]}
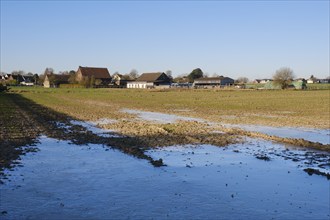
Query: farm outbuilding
{"points": [[213, 82], [55, 80], [151, 80]]}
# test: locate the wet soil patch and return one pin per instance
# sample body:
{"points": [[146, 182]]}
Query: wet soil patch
{"points": [[312, 171], [23, 121], [263, 157]]}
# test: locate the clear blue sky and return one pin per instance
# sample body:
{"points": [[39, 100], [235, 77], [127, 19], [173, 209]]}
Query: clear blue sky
{"points": [[240, 38]]}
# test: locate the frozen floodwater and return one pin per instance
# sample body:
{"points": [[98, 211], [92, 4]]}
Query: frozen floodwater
{"points": [[92, 126], [314, 135], [67, 181], [160, 117]]}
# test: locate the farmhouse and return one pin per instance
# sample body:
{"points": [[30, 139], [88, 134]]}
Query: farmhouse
{"points": [[100, 74], [18, 79], [312, 80], [28, 80], [212, 82], [151, 80], [54, 80], [120, 81]]}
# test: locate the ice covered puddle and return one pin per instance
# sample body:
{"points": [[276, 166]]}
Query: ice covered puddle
{"points": [[160, 117], [314, 135], [92, 126], [67, 181]]}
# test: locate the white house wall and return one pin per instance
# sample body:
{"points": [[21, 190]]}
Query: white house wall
{"points": [[137, 85]]}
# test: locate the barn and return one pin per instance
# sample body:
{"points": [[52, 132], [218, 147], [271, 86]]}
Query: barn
{"points": [[151, 80], [54, 80], [100, 74], [212, 82]]}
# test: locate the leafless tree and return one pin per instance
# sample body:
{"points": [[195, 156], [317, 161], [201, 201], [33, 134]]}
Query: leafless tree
{"points": [[206, 75], [49, 71], [242, 80], [283, 77], [134, 74], [169, 74], [18, 72]]}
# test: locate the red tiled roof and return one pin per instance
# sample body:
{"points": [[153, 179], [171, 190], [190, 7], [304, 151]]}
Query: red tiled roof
{"points": [[98, 73]]}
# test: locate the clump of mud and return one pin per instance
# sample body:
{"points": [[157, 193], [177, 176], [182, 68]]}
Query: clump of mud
{"points": [[312, 171], [263, 157], [183, 132]]}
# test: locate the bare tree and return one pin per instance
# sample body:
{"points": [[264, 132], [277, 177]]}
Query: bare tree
{"points": [[63, 73], [49, 71], [18, 72], [206, 75], [242, 80], [169, 74], [134, 74], [283, 77]]}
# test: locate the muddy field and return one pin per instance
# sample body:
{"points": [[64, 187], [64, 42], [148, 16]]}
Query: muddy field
{"points": [[192, 167]]}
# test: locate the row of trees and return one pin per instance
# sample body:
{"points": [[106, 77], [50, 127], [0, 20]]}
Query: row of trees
{"points": [[198, 73]]}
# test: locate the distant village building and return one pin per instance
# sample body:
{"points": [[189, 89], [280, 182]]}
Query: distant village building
{"points": [[9, 77], [28, 80], [312, 80], [120, 81], [151, 80], [262, 81], [55, 80], [212, 82], [325, 80], [18, 79], [101, 74]]}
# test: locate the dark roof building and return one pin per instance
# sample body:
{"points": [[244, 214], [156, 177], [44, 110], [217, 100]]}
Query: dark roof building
{"points": [[153, 77], [151, 80], [213, 82], [54, 80]]}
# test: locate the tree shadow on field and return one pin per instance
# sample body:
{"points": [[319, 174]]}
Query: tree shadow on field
{"points": [[22, 122]]}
